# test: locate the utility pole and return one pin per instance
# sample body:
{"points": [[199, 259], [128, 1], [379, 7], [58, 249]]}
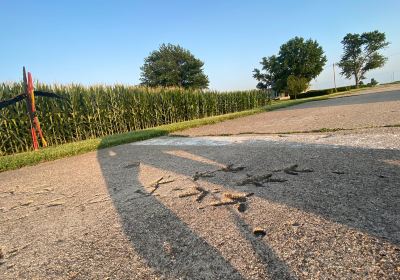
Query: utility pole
{"points": [[334, 76]]}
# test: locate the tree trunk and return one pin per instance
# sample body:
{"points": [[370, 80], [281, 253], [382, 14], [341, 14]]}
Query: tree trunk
{"points": [[356, 78]]}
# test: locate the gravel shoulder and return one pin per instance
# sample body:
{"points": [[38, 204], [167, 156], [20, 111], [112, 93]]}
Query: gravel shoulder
{"points": [[328, 204]]}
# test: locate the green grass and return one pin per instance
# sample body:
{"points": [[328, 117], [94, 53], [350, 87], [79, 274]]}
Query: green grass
{"points": [[15, 161]]}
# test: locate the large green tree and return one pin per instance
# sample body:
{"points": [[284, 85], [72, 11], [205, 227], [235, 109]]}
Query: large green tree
{"points": [[361, 54], [303, 59], [172, 65]]}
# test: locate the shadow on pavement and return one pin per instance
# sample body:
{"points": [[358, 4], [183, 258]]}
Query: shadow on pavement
{"points": [[355, 187]]}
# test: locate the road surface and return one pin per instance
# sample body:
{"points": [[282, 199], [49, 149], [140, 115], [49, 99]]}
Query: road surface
{"points": [[328, 203]]}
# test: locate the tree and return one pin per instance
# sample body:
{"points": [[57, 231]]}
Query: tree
{"points": [[361, 54], [173, 66], [297, 57], [296, 85]]}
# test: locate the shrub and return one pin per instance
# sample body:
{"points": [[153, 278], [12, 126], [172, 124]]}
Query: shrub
{"points": [[373, 82], [296, 85]]}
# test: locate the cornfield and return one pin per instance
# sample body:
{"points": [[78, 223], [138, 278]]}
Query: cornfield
{"points": [[95, 111]]}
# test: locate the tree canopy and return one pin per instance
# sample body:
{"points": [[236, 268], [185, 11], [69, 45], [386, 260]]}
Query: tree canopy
{"points": [[303, 59], [361, 54], [172, 65]]}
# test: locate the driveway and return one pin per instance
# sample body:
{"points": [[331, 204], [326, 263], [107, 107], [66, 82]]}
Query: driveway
{"points": [[286, 206]]}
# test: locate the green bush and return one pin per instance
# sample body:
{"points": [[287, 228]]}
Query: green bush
{"points": [[373, 82], [313, 93], [320, 92], [296, 85]]}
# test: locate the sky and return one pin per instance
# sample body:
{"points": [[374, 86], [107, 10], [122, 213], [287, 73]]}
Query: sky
{"points": [[105, 42]]}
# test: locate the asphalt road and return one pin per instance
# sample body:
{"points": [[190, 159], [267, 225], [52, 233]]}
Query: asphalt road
{"points": [[328, 203], [372, 109]]}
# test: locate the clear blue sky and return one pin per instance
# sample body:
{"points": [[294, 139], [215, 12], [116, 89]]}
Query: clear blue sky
{"points": [[93, 42]]}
